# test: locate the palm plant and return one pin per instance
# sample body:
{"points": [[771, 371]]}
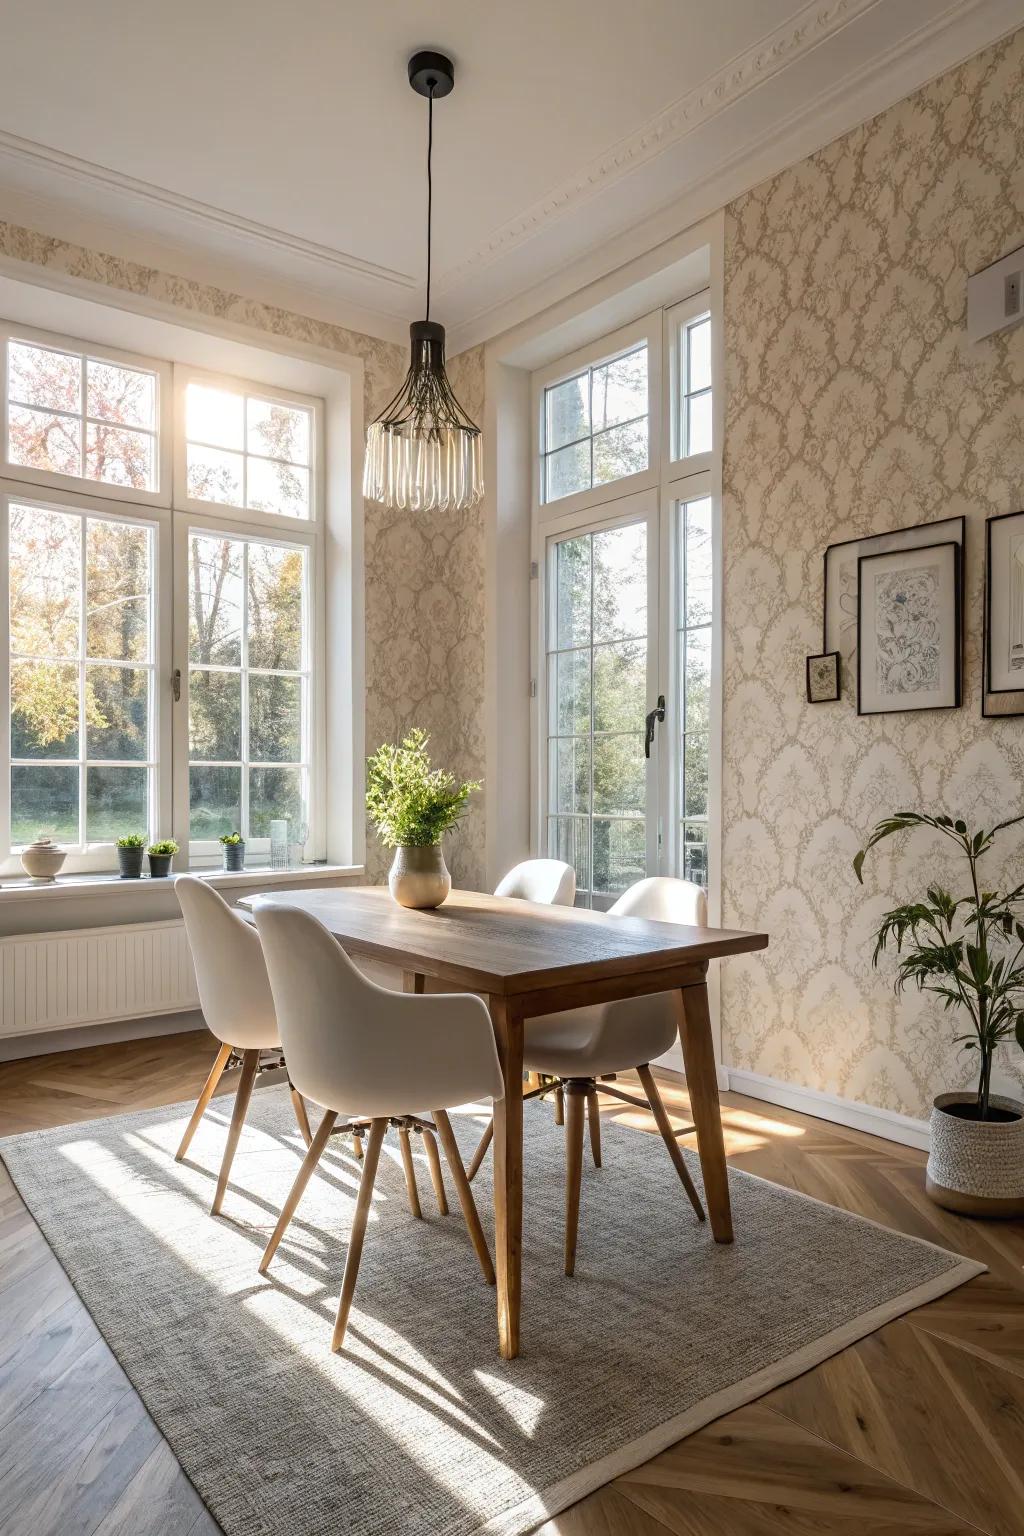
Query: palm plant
{"points": [[968, 950]]}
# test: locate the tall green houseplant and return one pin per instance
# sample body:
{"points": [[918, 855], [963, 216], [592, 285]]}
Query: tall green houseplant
{"points": [[411, 804], [968, 950]]}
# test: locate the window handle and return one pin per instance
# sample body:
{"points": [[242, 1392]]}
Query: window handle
{"points": [[656, 714], [176, 685]]}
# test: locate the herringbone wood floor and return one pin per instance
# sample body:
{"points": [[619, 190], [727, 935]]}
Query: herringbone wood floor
{"points": [[918, 1429]]}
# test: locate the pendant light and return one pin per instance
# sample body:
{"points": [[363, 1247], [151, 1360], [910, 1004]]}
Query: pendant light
{"points": [[423, 452]]}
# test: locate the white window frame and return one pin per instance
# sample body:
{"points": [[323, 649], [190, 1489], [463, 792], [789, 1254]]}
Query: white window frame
{"points": [[677, 319], [183, 377], [50, 479]]}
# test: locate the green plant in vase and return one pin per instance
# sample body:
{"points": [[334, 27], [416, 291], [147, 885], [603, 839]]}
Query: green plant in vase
{"points": [[130, 849], [160, 856], [412, 805], [233, 845]]}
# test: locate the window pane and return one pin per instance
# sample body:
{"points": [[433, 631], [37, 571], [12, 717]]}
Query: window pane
{"points": [[116, 802], [122, 395], [215, 716], [569, 840], [697, 561], [695, 775], [620, 777], [275, 719], [117, 713], [214, 475], [40, 376], [566, 412], [618, 391], [276, 602], [118, 456], [215, 802], [620, 582], [44, 799], [620, 855], [214, 416], [38, 441], [698, 339], [695, 852], [698, 423], [567, 471], [274, 793], [279, 431], [572, 594], [569, 693], [44, 709], [620, 451], [280, 488], [45, 573], [696, 661], [117, 576], [569, 774], [620, 686], [215, 601]]}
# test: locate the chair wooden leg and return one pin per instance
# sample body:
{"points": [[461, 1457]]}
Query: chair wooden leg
{"points": [[465, 1194], [559, 1106], [574, 1095], [437, 1177], [302, 1178], [355, 1242], [357, 1145], [209, 1089], [660, 1114], [594, 1122], [481, 1152], [410, 1172], [243, 1093], [301, 1117]]}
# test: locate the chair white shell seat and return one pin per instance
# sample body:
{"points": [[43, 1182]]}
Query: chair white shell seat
{"points": [[602, 1038], [548, 881]]}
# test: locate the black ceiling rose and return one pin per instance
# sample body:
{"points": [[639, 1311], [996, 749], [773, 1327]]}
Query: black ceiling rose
{"points": [[432, 74]]}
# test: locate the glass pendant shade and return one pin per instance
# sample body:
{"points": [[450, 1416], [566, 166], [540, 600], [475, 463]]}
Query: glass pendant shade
{"points": [[423, 452]]}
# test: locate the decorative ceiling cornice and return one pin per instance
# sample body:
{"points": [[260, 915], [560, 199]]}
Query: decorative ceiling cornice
{"points": [[811, 26]]}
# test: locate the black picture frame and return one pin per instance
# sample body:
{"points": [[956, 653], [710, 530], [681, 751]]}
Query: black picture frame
{"points": [[1008, 702], [826, 698], [886, 533], [958, 614]]}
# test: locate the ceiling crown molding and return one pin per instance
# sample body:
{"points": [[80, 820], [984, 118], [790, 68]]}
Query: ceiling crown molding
{"points": [[99, 178], [811, 26]]}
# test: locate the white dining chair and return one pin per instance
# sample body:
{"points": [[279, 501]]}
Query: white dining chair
{"points": [[544, 880], [583, 1045], [237, 1004], [371, 1058]]}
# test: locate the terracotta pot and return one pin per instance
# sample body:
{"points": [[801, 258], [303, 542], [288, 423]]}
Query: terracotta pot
{"points": [[976, 1167], [419, 877]]}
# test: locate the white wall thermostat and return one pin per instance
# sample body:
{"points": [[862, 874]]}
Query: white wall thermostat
{"points": [[994, 296]]}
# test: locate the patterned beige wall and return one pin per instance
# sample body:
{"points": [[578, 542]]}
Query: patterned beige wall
{"points": [[856, 405], [422, 574]]}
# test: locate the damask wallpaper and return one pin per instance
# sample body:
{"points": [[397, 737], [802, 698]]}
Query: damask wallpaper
{"points": [[856, 404], [424, 584]]}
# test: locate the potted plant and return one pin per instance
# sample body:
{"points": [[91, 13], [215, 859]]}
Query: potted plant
{"points": [[968, 950], [233, 845], [129, 855], [160, 856], [412, 806]]}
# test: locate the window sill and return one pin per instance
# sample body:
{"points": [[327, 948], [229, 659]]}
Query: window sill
{"points": [[107, 885]]}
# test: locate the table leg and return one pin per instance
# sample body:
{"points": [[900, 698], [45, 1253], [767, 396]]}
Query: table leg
{"points": [[702, 1087], [414, 981], [508, 1173]]}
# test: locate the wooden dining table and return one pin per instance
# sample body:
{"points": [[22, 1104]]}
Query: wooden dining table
{"points": [[527, 959]]}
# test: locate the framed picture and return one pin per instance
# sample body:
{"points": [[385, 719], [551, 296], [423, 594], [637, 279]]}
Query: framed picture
{"points": [[909, 619], [823, 678], [1004, 614], [840, 589]]}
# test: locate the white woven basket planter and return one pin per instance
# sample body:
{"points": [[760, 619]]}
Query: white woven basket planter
{"points": [[976, 1167]]}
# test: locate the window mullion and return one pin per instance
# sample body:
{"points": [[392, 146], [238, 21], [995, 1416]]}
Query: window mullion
{"points": [[244, 682], [82, 615]]}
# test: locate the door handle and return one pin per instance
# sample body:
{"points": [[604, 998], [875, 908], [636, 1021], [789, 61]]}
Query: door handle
{"points": [[656, 714]]}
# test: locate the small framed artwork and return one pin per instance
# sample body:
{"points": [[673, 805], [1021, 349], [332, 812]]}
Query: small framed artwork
{"points": [[909, 629], [823, 678], [1004, 616]]}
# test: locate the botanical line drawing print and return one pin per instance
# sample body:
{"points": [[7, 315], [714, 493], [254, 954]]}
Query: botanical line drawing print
{"points": [[1015, 639], [908, 630]]}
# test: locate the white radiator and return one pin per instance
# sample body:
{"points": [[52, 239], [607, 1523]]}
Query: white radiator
{"points": [[94, 975]]}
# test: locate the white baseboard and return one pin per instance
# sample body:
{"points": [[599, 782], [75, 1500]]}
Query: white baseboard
{"points": [[17, 1047], [885, 1123]]}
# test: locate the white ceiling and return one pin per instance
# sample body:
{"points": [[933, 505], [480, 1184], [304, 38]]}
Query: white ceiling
{"points": [[278, 150]]}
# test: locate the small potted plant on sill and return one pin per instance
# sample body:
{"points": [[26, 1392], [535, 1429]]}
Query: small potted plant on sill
{"points": [[968, 950], [130, 849], [160, 856], [412, 806], [233, 846]]}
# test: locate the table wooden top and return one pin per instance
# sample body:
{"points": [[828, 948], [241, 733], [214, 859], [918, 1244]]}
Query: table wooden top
{"points": [[503, 946]]}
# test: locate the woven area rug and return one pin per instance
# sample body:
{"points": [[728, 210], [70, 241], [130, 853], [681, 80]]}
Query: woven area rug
{"points": [[420, 1428]]}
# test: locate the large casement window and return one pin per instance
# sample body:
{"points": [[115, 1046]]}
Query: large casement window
{"points": [[160, 568], [626, 556]]}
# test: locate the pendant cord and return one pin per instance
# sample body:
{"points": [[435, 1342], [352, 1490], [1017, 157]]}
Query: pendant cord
{"points": [[430, 188]]}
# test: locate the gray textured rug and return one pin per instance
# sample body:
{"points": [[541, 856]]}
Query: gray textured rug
{"points": [[420, 1428]]}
